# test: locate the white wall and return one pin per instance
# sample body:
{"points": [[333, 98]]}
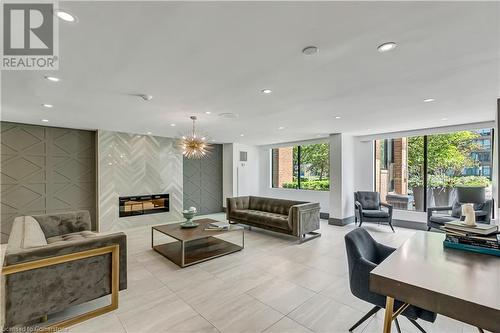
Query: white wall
{"points": [[364, 166], [342, 175], [246, 175], [240, 178], [227, 172]]}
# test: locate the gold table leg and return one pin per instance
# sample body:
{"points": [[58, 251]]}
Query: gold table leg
{"points": [[389, 308]]}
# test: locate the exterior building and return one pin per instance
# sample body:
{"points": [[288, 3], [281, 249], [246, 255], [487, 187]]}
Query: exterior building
{"points": [[482, 155]]}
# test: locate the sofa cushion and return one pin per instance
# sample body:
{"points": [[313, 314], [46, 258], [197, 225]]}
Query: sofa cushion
{"points": [[33, 235], [441, 219], [16, 234], [272, 205], [270, 219], [240, 214], [63, 223], [374, 213], [75, 236], [368, 200]]}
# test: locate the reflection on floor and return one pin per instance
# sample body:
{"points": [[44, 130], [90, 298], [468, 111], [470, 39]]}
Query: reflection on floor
{"points": [[273, 285]]}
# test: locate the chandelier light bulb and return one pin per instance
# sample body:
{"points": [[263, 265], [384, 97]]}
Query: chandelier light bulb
{"points": [[193, 146]]}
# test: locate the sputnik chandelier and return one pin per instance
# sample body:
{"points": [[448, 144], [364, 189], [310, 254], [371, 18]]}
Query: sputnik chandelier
{"points": [[193, 146]]}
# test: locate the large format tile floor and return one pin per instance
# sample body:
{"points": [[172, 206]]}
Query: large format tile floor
{"points": [[273, 285]]}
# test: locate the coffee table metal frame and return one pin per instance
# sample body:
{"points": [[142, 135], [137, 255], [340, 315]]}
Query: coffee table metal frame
{"points": [[199, 247]]}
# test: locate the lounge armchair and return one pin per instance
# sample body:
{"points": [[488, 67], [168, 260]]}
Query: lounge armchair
{"points": [[474, 195], [54, 261], [368, 208]]}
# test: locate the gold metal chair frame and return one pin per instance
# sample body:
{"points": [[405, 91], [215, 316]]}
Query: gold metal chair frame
{"points": [[115, 276]]}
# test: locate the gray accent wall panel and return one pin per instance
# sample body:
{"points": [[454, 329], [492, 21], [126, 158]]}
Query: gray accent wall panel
{"points": [[45, 170], [203, 182], [131, 164]]}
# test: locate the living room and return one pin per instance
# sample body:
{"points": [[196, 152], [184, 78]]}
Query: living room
{"points": [[250, 166]]}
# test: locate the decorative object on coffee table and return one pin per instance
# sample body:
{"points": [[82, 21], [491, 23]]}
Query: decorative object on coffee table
{"points": [[469, 214], [189, 215], [195, 245]]}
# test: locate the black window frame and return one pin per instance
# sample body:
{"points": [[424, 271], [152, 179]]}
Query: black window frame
{"points": [[425, 166], [299, 167]]}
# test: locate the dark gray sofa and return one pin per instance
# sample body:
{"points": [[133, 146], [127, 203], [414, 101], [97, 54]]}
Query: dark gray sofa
{"points": [[296, 218], [36, 293]]}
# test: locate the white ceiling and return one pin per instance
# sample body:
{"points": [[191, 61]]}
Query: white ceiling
{"points": [[217, 56]]}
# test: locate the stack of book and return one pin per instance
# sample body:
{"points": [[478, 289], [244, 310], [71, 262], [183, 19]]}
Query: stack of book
{"points": [[218, 226], [482, 238]]}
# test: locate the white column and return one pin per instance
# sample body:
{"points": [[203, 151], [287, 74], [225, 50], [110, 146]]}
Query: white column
{"points": [[342, 174]]}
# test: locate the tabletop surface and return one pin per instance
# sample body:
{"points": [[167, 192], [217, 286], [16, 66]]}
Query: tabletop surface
{"points": [[174, 230], [423, 262]]}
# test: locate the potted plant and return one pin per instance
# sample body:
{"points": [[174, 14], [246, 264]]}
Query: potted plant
{"points": [[442, 188], [416, 184]]}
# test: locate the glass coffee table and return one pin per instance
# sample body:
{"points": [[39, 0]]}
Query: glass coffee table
{"points": [[186, 247]]}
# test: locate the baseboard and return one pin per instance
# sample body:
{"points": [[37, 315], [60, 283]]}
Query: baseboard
{"points": [[341, 222], [409, 224]]}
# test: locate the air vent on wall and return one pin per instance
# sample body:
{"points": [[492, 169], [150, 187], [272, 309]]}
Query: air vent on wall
{"points": [[243, 156]]}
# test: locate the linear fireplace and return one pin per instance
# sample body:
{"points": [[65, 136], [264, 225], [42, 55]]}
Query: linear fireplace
{"points": [[144, 204]]}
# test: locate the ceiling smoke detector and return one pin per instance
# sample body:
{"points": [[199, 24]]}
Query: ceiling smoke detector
{"points": [[228, 115]]}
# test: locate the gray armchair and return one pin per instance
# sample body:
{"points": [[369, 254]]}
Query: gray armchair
{"points": [[363, 255], [368, 208], [470, 194], [54, 262]]}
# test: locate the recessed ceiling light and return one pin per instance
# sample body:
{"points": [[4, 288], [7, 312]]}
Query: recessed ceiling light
{"points": [[228, 115], [45, 120], [444, 118], [208, 112], [428, 100], [146, 97], [310, 50], [65, 16], [281, 127], [242, 134], [149, 133], [266, 91], [338, 117], [48, 105], [368, 129], [52, 78], [173, 125], [385, 47]]}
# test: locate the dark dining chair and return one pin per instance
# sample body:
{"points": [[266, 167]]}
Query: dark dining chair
{"points": [[363, 255]]}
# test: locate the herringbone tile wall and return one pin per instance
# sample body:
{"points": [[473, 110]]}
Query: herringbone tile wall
{"points": [[132, 164]]}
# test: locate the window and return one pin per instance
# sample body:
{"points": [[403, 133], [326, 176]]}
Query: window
{"points": [[304, 167], [418, 172], [399, 172]]}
